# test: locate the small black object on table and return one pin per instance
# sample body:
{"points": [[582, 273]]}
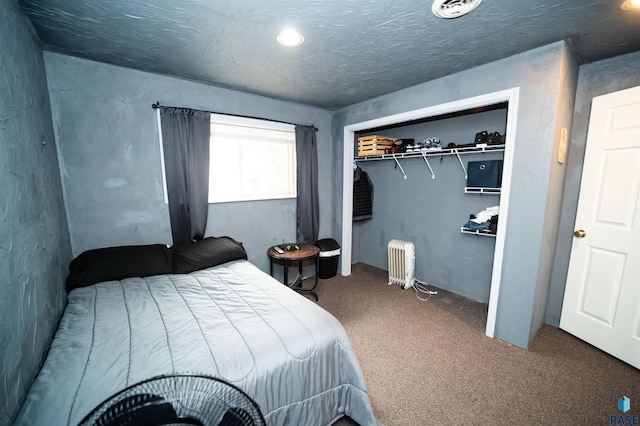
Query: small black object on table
{"points": [[295, 253]]}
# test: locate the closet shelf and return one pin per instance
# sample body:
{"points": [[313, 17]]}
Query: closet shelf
{"points": [[478, 149], [486, 233], [434, 153], [481, 190]]}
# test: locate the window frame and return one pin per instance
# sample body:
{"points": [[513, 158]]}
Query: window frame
{"points": [[268, 126]]}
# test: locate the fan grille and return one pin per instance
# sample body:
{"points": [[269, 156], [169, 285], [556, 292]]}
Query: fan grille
{"points": [[449, 9], [178, 399]]}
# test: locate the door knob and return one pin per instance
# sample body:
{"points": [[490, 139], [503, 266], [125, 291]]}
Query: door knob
{"points": [[579, 233]]}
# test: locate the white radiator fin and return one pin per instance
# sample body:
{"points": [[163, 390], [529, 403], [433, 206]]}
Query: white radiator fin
{"points": [[402, 263]]}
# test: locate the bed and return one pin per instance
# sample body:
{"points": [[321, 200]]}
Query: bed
{"points": [[229, 320]]}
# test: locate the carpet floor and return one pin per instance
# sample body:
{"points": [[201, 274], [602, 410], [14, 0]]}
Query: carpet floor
{"points": [[429, 362]]}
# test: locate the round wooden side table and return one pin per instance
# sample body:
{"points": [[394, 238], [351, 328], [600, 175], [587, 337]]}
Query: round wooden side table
{"points": [[293, 256]]}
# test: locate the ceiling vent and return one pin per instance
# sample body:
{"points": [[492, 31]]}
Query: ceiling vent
{"points": [[449, 9]]}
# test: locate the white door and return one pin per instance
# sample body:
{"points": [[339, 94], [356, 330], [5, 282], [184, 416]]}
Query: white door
{"points": [[602, 295]]}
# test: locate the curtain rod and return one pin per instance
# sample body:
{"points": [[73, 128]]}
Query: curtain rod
{"points": [[157, 105]]}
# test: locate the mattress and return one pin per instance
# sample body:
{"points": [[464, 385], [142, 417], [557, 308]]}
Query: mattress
{"points": [[230, 321]]}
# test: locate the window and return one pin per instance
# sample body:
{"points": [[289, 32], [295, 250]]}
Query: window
{"points": [[251, 160]]}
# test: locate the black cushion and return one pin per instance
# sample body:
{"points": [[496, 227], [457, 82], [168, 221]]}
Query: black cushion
{"points": [[116, 263], [210, 251]]}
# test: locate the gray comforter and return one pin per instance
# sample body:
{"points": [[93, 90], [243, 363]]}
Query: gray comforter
{"points": [[231, 321]]}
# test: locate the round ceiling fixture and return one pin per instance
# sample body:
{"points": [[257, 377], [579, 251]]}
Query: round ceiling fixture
{"points": [[630, 5], [449, 9], [290, 38]]}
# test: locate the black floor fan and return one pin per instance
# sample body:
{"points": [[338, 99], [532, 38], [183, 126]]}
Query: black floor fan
{"points": [[178, 399]]}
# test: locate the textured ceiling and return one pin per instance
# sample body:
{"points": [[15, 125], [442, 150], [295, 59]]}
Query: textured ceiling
{"points": [[354, 50]]}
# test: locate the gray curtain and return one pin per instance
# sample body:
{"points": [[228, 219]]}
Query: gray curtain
{"points": [[308, 212], [185, 141]]}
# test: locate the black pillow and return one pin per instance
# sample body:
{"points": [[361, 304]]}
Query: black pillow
{"points": [[210, 251], [116, 263]]}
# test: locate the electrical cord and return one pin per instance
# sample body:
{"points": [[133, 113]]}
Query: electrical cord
{"points": [[421, 289], [296, 281]]}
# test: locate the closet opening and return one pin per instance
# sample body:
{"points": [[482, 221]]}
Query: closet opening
{"points": [[419, 195]]}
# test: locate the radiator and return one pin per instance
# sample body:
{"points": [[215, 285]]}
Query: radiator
{"points": [[402, 263]]}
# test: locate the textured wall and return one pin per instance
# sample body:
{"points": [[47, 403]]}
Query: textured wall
{"points": [[429, 212], [110, 157], [567, 81], [537, 73], [594, 79], [34, 242]]}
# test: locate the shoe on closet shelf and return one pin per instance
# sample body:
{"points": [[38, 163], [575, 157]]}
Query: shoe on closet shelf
{"points": [[413, 147], [431, 144]]}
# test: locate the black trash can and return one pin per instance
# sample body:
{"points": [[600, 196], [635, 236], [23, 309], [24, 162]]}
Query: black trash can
{"points": [[328, 258]]}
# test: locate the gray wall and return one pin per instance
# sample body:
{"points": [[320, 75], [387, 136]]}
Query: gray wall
{"points": [[110, 156], [594, 79], [34, 243], [564, 114], [429, 212], [538, 73]]}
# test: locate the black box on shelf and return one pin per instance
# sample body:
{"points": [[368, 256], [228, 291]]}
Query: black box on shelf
{"points": [[484, 174]]}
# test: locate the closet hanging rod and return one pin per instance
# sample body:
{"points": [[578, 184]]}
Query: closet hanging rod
{"points": [[445, 151], [479, 149], [157, 105]]}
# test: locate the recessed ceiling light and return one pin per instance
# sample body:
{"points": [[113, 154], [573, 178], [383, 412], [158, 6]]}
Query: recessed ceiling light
{"points": [[449, 9], [630, 5], [290, 37]]}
